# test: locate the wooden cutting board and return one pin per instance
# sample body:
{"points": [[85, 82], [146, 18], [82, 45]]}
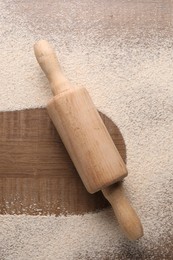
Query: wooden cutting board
{"points": [[36, 173]]}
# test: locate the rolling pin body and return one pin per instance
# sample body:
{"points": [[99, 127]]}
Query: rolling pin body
{"points": [[86, 139]]}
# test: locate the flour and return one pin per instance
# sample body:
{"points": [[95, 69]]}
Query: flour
{"points": [[91, 236], [128, 70]]}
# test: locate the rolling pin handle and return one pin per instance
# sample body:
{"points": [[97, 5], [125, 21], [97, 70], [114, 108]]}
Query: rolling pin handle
{"points": [[125, 214], [48, 61]]}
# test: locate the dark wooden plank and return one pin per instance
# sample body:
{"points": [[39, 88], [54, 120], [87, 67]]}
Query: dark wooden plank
{"points": [[36, 173]]}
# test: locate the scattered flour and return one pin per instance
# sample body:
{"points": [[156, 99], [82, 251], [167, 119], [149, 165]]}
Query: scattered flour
{"points": [[91, 236], [128, 69]]}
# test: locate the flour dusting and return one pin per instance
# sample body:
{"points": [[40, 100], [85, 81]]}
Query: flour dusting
{"points": [[91, 236], [127, 67]]}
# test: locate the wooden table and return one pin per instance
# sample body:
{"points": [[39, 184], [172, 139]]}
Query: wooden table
{"points": [[36, 174]]}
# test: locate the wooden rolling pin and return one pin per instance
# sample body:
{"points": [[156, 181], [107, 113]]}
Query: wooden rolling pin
{"points": [[87, 140]]}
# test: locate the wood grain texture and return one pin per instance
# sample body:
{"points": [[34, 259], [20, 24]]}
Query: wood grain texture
{"points": [[86, 139], [36, 173]]}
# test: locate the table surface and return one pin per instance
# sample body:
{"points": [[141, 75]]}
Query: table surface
{"points": [[36, 173]]}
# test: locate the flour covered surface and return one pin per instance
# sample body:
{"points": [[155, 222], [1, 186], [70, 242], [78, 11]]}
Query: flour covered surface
{"points": [[122, 52]]}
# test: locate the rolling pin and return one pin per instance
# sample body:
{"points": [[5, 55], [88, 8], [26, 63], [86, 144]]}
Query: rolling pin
{"points": [[87, 140]]}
